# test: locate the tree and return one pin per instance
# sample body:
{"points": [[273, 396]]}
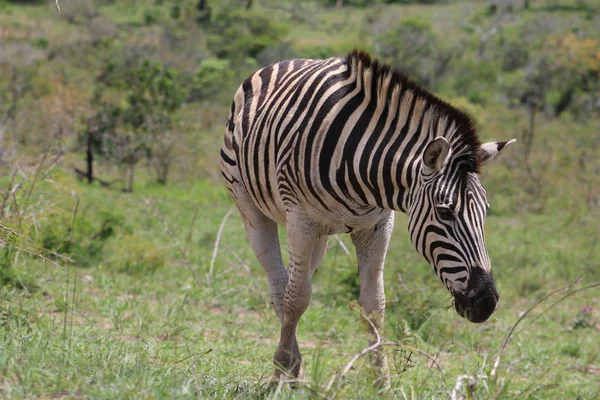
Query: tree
{"points": [[413, 48], [209, 80], [153, 97], [140, 126], [236, 34], [97, 128]]}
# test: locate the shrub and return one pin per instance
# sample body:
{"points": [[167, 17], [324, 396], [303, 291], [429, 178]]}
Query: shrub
{"points": [[413, 48], [40, 43], [210, 78], [236, 34], [135, 255], [272, 54], [151, 15], [83, 241], [317, 52]]}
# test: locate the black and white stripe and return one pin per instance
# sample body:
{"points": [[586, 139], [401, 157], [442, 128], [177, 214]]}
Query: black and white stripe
{"points": [[345, 137]]}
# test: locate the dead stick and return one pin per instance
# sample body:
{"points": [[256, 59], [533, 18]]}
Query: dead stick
{"points": [[216, 248]]}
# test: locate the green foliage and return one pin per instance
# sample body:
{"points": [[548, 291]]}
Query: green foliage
{"points": [[134, 315], [316, 52], [135, 255], [413, 47], [8, 277], [151, 15], [514, 55], [40, 43], [238, 33], [583, 319], [477, 81], [83, 240], [210, 79], [153, 96]]}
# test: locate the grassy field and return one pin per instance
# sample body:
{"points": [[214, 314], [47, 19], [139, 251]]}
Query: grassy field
{"points": [[154, 313], [105, 294]]}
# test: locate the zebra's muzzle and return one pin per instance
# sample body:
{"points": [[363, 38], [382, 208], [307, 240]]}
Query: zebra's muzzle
{"points": [[481, 298]]}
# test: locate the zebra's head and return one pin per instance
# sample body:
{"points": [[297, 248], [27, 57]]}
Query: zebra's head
{"points": [[445, 222]]}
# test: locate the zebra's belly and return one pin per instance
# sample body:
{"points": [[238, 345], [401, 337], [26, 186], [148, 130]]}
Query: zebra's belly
{"points": [[339, 220], [332, 218]]}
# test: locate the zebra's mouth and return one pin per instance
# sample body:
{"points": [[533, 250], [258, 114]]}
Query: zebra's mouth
{"points": [[480, 299], [459, 310], [476, 309]]}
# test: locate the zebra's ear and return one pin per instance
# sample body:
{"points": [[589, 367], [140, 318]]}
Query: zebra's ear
{"points": [[490, 151], [436, 155]]}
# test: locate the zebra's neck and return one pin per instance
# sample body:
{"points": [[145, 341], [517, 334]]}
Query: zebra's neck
{"points": [[399, 120]]}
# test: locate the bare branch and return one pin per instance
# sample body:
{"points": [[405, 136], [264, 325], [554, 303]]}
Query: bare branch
{"points": [[31, 253], [510, 335], [342, 245], [216, 248], [364, 351], [6, 228]]}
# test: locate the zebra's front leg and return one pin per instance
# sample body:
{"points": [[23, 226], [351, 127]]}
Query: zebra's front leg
{"points": [[371, 247], [303, 239]]}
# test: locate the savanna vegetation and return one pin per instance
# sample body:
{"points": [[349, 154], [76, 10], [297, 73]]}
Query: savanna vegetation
{"points": [[124, 272]]}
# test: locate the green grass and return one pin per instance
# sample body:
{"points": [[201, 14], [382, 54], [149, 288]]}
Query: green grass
{"points": [[131, 309], [165, 329]]}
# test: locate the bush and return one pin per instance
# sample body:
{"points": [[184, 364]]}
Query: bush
{"points": [[151, 15], [317, 52], [40, 43], [210, 78], [136, 255], [514, 55], [272, 54], [413, 48], [236, 34], [83, 241]]}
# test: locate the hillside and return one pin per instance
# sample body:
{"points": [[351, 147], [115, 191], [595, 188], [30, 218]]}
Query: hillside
{"points": [[141, 283]]}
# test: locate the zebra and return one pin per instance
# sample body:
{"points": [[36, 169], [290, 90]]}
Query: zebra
{"points": [[337, 146]]}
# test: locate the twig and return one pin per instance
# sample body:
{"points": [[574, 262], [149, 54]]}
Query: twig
{"points": [[6, 228], [433, 359], [182, 250], [216, 248], [472, 382], [190, 233], [509, 336], [364, 351], [342, 245], [31, 253], [568, 294], [36, 175]]}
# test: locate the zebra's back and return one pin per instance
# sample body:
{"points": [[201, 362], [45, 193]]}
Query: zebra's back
{"points": [[281, 137]]}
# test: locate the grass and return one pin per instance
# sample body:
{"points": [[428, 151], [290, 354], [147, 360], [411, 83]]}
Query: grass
{"points": [[160, 329], [131, 309]]}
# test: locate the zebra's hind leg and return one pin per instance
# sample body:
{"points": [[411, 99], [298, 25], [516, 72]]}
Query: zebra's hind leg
{"points": [[263, 238], [306, 248], [371, 247]]}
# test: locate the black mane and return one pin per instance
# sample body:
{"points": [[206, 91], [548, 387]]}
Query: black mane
{"points": [[466, 131]]}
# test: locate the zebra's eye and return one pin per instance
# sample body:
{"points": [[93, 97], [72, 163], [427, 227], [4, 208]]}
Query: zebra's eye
{"points": [[445, 213]]}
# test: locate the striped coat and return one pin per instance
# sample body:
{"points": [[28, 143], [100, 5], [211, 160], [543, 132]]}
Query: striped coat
{"points": [[336, 146]]}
